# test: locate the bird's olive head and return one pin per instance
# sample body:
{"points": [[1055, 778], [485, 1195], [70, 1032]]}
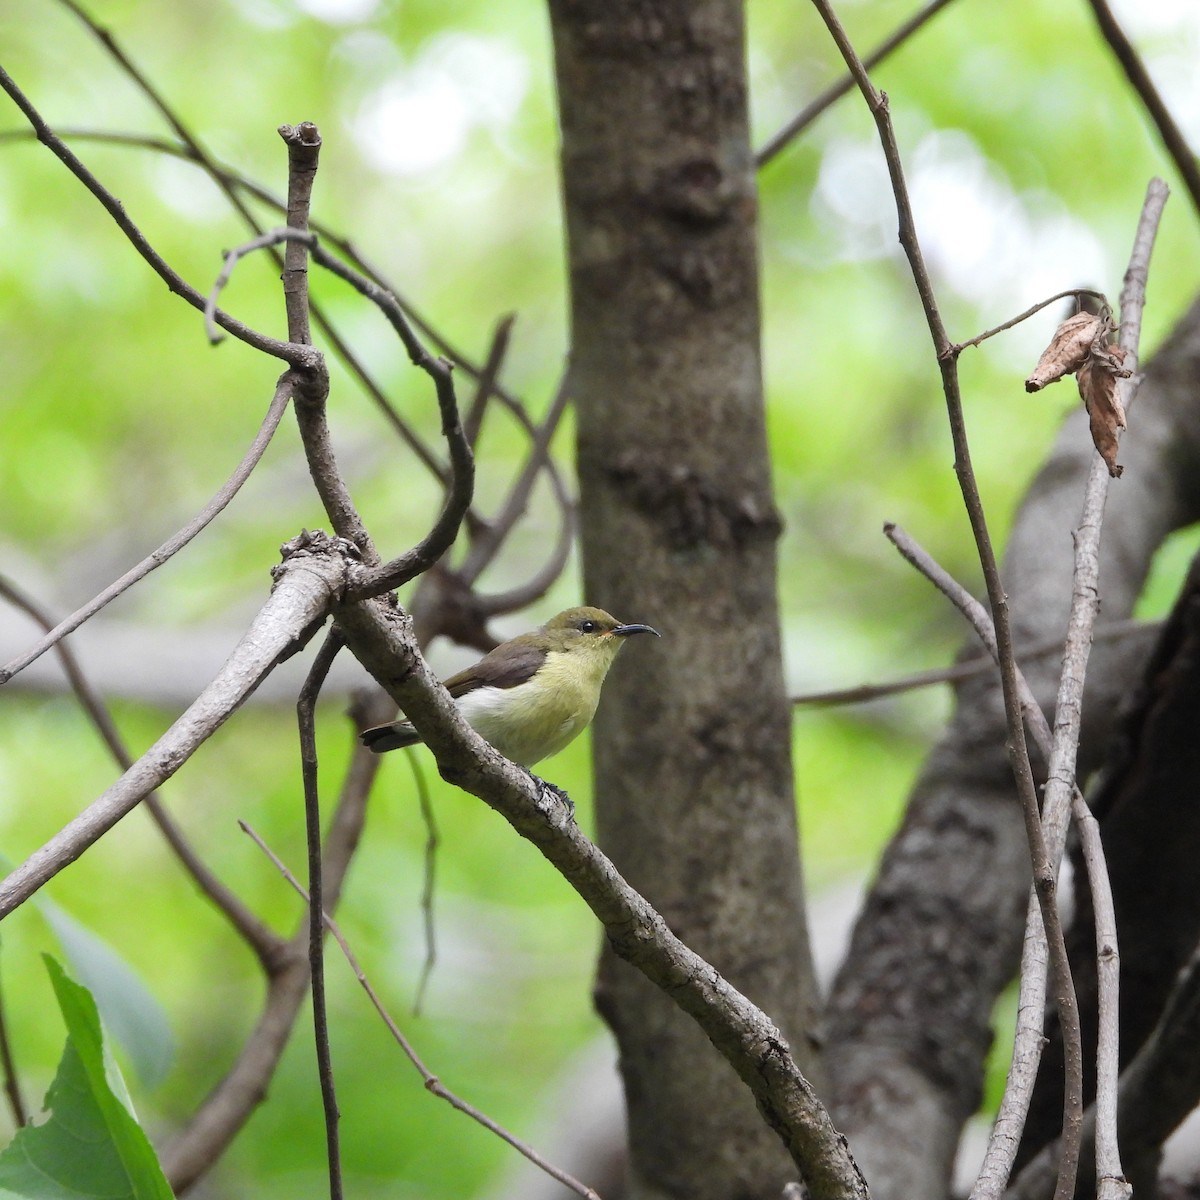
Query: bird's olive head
{"points": [[579, 625]]}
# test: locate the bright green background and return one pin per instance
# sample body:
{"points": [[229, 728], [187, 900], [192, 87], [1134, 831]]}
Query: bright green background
{"points": [[1028, 161]]}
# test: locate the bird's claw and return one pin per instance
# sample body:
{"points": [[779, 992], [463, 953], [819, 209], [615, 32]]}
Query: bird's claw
{"points": [[552, 789]]}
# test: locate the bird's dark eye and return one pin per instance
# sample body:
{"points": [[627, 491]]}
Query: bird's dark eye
{"points": [[587, 626]]}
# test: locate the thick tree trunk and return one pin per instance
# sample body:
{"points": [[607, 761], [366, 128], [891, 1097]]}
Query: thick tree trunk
{"points": [[693, 769]]}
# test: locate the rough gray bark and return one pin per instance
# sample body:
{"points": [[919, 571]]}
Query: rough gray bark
{"points": [[940, 933], [693, 770]]}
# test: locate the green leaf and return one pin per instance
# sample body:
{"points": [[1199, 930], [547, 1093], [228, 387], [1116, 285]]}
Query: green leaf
{"points": [[131, 1014], [90, 1147]]}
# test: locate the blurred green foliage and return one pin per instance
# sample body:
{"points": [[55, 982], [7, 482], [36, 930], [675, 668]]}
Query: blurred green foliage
{"points": [[1028, 160]]}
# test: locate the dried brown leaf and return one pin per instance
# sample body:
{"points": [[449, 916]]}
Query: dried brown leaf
{"points": [[1067, 351], [1097, 379]]}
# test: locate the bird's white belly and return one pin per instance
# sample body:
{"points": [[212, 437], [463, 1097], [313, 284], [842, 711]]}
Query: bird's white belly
{"points": [[531, 721]]}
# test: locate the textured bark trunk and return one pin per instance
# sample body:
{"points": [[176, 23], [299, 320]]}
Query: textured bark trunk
{"points": [[693, 768]]}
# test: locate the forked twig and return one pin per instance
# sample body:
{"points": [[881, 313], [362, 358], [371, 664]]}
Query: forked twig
{"points": [[811, 111], [1028, 1040]]}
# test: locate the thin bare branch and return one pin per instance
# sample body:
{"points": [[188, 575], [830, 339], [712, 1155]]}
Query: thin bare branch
{"points": [[303, 143], [1111, 1183], [12, 1083], [441, 536], [486, 385], [807, 115], [1078, 293], [260, 937], [1044, 875], [1159, 1089], [429, 887], [284, 390], [272, 237], [305, 588], [431, 1081], [299, 357], [486, 543], [969, 669], [1085, 603], [1061, 787], [1131, 63], [1028, 1037], [228, 1106], [306, 706]]}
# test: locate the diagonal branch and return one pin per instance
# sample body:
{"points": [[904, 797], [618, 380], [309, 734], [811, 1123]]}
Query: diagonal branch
{"points": [[306, 584], [382, 640], [432, 1083], [255, 932], [301, 357], [226, 1109], [807, 115], [284, 390], [1131, 63]]}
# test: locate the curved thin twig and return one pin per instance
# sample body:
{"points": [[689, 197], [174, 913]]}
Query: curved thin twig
{"points": [[866, 692], [959, 347], [284, 390], [226, 1109], [440, 538]]}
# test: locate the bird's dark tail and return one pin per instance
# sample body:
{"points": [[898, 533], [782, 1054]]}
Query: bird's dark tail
{"points": [[395, 735]]}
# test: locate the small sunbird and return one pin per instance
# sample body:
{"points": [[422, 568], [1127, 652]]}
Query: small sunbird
{"points": [[531, 696]]}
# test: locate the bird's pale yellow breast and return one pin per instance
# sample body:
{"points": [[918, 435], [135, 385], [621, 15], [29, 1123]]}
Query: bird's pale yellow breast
{"points": [[540, 717]]}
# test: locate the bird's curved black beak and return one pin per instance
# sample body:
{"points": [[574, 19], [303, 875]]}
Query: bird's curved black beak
{"points": [[626, 630]]}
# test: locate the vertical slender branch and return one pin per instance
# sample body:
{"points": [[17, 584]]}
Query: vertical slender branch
{"points": [[303, 143], [486, 385], [12, 1084], [305, 708], [427, 891], [1044, 874]]}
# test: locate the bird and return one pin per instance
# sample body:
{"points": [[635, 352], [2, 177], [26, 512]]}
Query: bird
{"points": [[531, 696]]}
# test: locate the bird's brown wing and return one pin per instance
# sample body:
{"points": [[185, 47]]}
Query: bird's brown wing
{"points": [[505, 667]]}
